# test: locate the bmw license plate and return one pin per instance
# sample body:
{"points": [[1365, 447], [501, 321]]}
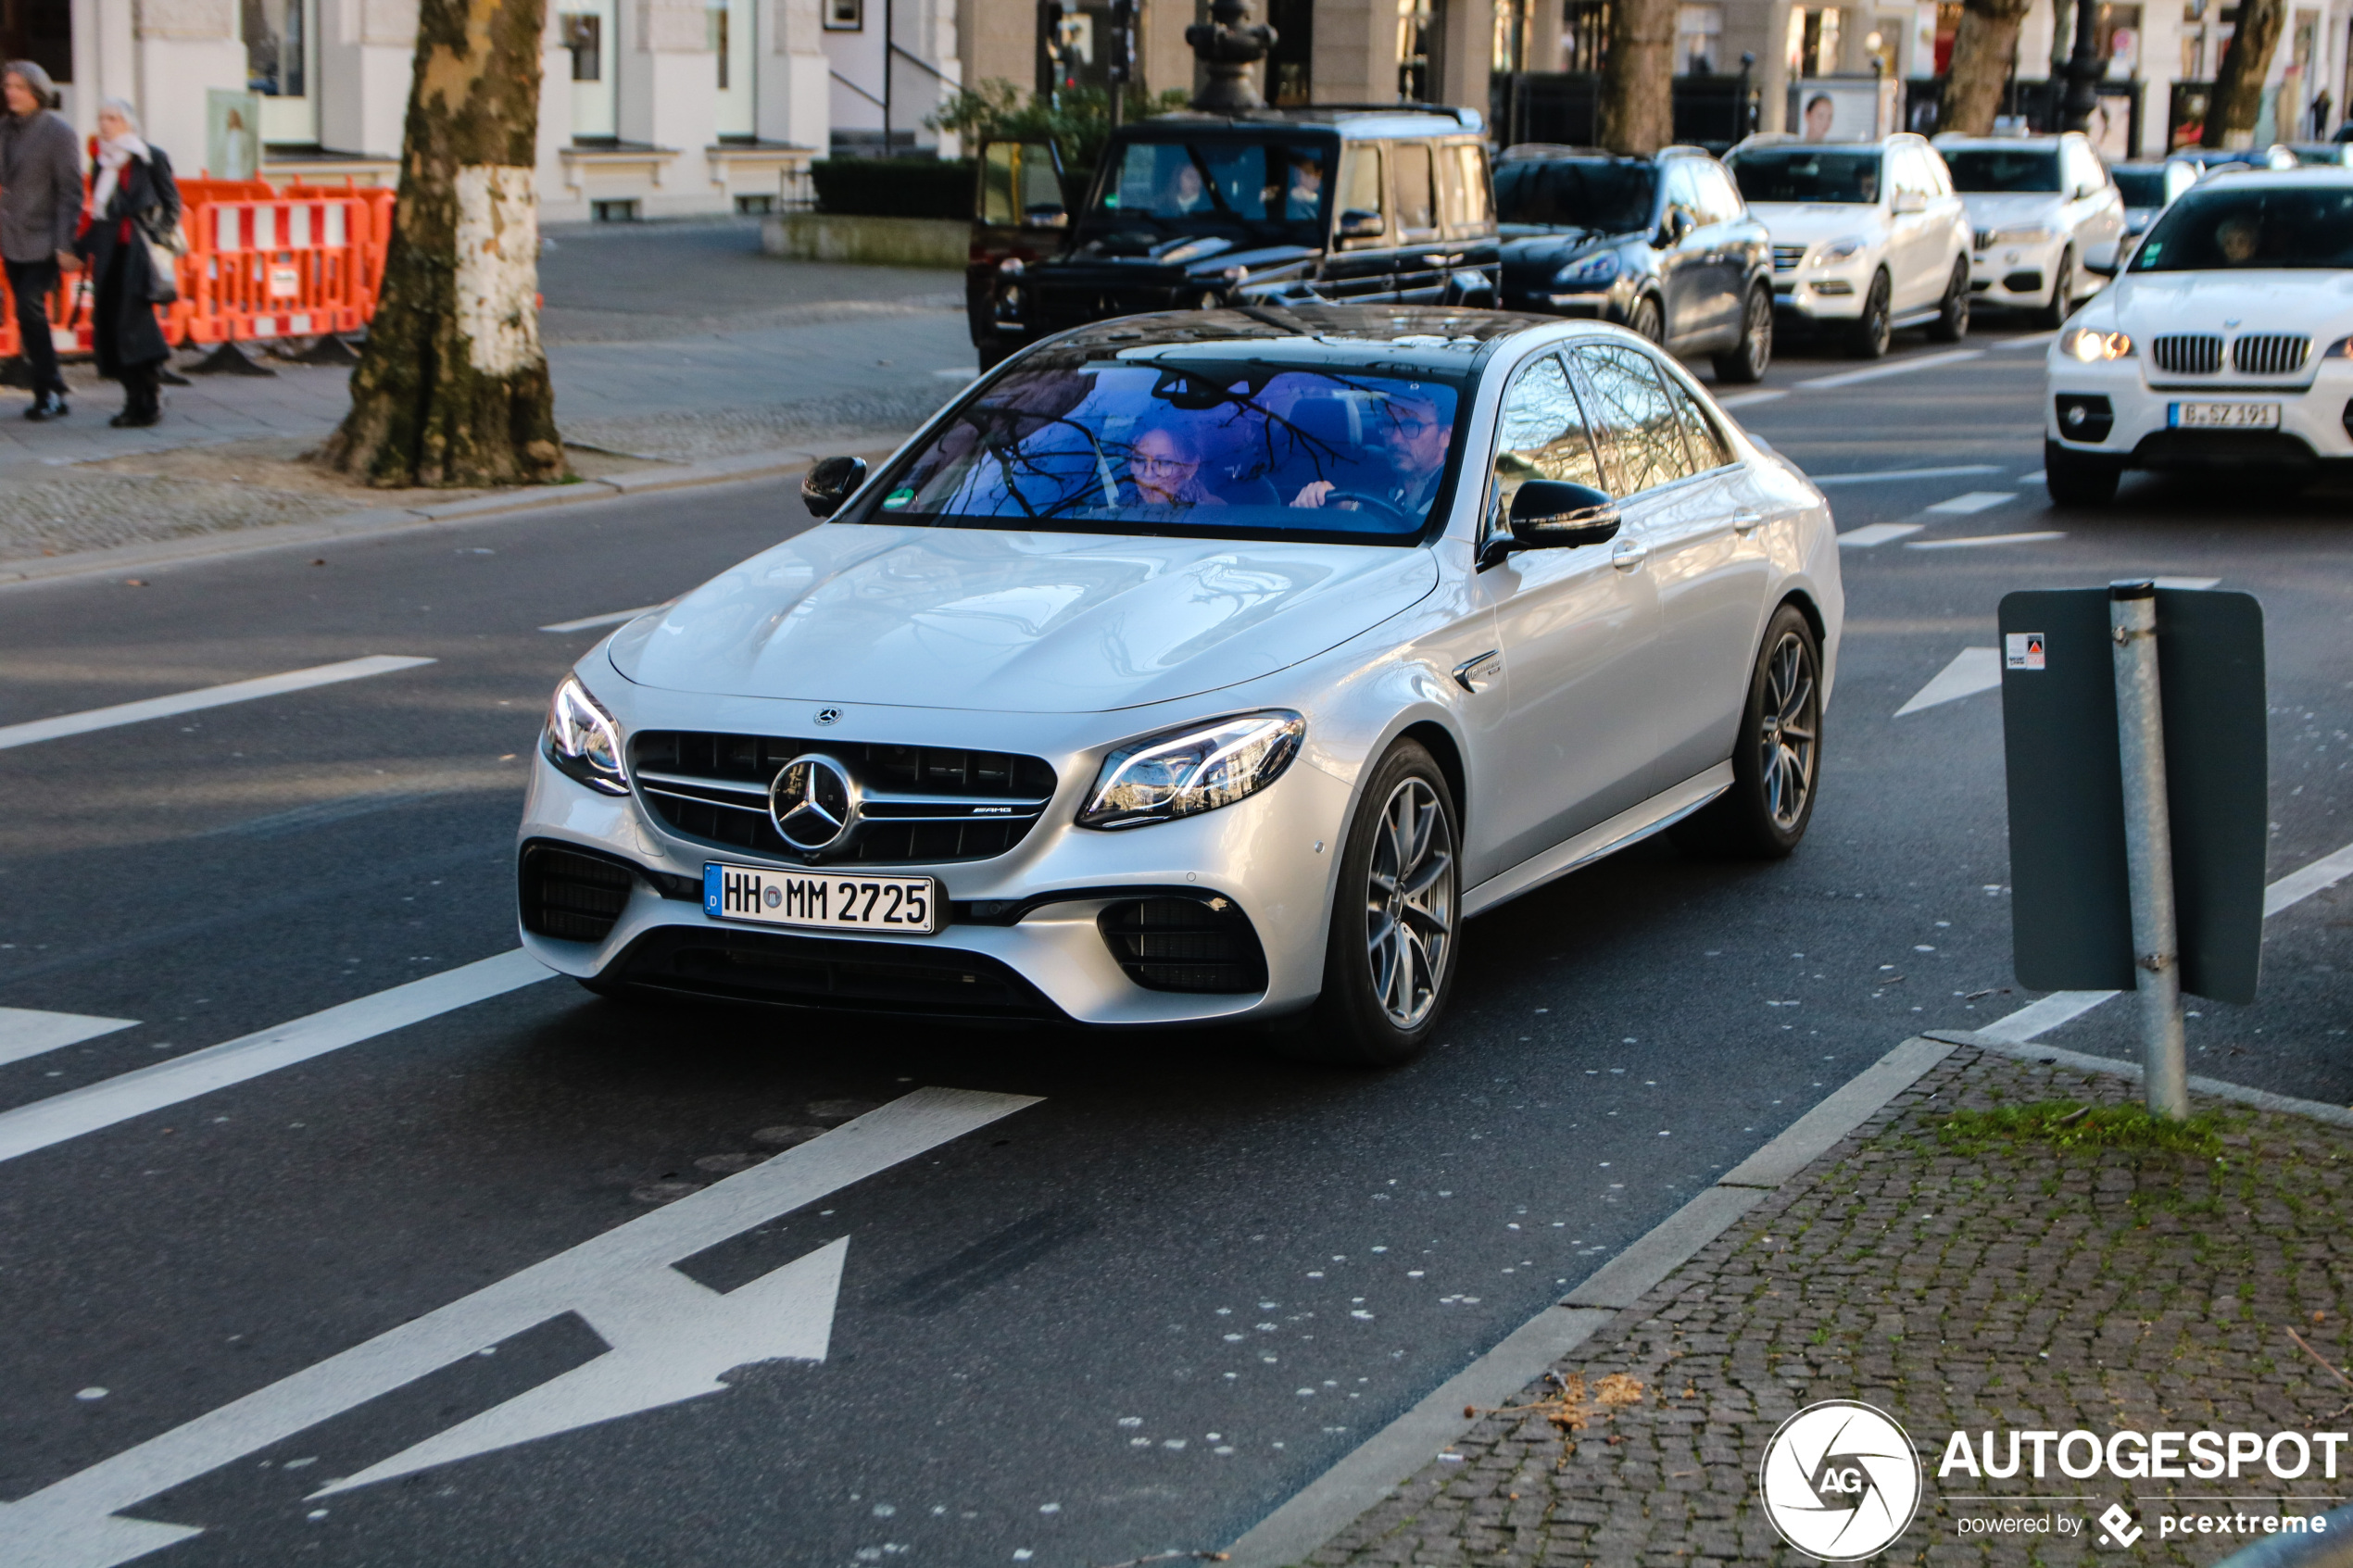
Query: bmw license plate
{"points": [[2224, 416], [907, 906]]}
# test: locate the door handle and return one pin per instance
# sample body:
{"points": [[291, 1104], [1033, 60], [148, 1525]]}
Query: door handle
{"points": [[1745, 522], [1630, 554]]}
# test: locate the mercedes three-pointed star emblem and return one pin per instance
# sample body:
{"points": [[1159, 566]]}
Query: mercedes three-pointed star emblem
{"points": [[814, 803]]}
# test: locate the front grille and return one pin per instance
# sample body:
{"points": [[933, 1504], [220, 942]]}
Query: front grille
{"points": [[830, 972], [2270, 354], [1185, 944], [923, 803], [2196, 356], [1057, 305], [571, 896], [1786, 258], [1983, 239]]}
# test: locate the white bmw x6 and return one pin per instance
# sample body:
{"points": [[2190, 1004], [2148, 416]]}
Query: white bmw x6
{"points": [[1200, 669]]}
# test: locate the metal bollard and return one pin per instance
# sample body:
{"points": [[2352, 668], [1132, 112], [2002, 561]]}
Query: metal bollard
{"points": [[2148, 846]]}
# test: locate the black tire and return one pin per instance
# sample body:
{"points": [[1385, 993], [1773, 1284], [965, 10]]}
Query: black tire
{"points": [[1371, 1015], [1646, 321], [1869, 337], [1777, 761], [2053, 315], [1951, 315], [1745, 362], [2078, 479]]}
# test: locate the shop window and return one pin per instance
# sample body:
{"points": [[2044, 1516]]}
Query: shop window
{"points": [[584, 35]]}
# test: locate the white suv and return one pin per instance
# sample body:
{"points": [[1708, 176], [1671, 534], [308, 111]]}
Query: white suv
{"points": [[2048, 219], [1868, 237]]}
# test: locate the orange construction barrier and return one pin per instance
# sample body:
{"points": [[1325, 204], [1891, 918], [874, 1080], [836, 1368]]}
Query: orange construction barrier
{"points": [[284, 267]]}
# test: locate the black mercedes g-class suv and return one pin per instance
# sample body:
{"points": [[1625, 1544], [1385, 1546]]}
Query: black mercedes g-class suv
{"points": [[1205, 211]]}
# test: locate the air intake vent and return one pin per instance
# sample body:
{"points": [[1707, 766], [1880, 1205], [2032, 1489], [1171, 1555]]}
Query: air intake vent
{"points": [[1185, 944], [922, 803], [2270, 354], [1786, 258], [2199, 356], [571, 896]]}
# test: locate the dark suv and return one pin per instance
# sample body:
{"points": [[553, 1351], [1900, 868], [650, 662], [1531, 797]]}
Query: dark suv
{"points": [[1662, 244], [1203, 212]]}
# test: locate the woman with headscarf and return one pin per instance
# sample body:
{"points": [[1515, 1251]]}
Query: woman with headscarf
{"points": [[134, 200]]}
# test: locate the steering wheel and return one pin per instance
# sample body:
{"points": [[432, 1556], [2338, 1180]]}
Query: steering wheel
{"points": [[1366, 501]]}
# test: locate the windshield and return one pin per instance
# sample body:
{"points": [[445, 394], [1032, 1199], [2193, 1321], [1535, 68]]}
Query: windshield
{"points": [[1614, 198], [2142, 187], [1259, 451], [1805, 175], [1214, 185], [2217, 229], [2002, 168]]}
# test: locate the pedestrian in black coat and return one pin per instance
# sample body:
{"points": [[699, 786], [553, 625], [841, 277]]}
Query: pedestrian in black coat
{"points": [[133, 201], [40, 207]]}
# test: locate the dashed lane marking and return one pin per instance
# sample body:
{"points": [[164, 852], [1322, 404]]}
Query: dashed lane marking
{"points": [[2186, 582], [2037, 477], [1891, 476], [24, 1032], [2031, 340], [1973, 502], [1743, 399], [668, 1338], [2060, 1007], [205, 696], [1872, 533], [45, 1122], [613, 618], [1879, 372], [1971, 671], [1975, 541]]}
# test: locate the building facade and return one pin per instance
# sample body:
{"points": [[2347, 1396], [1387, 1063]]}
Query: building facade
{"points": [[656, 108]]}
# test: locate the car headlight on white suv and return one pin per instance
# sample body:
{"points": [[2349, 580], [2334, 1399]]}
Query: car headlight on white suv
{"points": [[582, 741], [1182, 772], [1837, 251], [2091, 346]]}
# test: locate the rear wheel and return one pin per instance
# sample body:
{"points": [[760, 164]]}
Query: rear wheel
{"points": [[1745, 362], [2053, 315], [2078, 479], [1389, 966], [1952, 314], [1645, 322], [1777, 761], [1869, 336]]}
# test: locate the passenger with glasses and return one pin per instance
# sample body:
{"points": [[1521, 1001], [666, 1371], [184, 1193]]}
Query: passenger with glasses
{"points": [[1166, 466], [1406, 434]]}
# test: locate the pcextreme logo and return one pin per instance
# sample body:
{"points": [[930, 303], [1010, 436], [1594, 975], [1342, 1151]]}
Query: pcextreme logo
{"points": [[1840, 1480]]}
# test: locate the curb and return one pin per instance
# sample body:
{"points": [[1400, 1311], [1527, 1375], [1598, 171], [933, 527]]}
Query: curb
{"points": [[377, 520], [1335, 1499], [2212, 1088]]}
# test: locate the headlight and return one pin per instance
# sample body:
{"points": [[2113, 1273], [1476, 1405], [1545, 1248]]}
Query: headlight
{"points": [[1183, 771], [2091, 346], [1840, 250], [2341, 349], [582, 741], [1592, 272], [2026, 234]]}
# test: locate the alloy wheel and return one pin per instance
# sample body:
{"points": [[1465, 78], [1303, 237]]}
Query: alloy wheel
{"points": [[1409, 903], [1759, 337], [1646, 323], [1788, 730]]}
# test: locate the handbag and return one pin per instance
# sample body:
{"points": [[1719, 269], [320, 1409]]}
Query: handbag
{"points": [[164, 251]]}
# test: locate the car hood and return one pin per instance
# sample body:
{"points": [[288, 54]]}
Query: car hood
{"points": [[1132, 254], [1996, 210], [2319, 304], [1015, 622], [1525, 248], [1805, 223]]}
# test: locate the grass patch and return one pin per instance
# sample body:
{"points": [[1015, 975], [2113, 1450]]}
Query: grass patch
{"points": [[2070, 1124]]}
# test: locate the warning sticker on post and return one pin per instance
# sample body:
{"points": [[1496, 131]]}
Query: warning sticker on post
{"points": [[2022, 651]]}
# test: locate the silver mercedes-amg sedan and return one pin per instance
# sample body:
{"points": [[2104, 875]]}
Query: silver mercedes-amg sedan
{"points": [[1203, 668]]}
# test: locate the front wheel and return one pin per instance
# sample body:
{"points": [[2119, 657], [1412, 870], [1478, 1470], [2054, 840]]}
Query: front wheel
{"points": [[1391, 964], [1952, 314], [1777, 761], [2053, 315], [1645, 322], [2077, 479], [1873, 329], [1745, 362]]}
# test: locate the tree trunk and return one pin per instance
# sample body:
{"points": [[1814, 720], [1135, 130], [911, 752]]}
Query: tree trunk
{"points": [[452, 388], [2237, 101], [1636, 113], [1983, 46]]}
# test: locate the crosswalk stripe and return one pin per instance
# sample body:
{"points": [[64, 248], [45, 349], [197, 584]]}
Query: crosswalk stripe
{"points": [[24, 1032], [1872, 533], [202, 697]]}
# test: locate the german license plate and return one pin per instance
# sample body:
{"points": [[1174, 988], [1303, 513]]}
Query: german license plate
{"points": [[907, 906], [2225, 416]]}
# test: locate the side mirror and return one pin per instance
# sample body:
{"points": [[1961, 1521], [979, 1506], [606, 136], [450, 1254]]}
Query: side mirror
{"points": [[1550, 514], [1358, 224], [832, 481], [1045, 217], [2103, 257], [1906, 203], [1673, 226]]}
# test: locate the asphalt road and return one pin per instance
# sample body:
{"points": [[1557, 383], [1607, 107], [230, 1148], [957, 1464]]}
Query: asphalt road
{"points": [[1134, 1314]]}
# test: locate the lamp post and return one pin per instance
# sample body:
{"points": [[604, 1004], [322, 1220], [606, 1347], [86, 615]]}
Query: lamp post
{"points": [[2084, 68]]}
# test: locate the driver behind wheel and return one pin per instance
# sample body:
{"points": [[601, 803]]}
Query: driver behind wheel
{"points": [[1404, 433]]}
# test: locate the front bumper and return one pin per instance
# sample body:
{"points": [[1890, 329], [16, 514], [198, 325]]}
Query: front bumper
{"points": [[2129, 420], [2017, 275], [1027, 935], [1823, 293]]}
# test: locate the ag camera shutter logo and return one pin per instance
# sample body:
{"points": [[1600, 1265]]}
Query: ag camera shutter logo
{"points": [[1840, 1480]]}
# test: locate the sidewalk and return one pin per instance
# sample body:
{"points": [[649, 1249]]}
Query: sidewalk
{"points": [[668, 345], [1960, 1277]]}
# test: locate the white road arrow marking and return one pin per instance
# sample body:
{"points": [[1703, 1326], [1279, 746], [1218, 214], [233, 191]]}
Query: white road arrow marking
{"points": [[24, 1032], [75, 1523], [1971, 671]]}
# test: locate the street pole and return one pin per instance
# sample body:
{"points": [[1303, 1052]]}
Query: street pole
{"points": [[2084, 68], [2148, 844]]}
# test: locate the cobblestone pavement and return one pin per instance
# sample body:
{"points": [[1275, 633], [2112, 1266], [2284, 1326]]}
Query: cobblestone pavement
{"points": [[2012, 1284]]}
